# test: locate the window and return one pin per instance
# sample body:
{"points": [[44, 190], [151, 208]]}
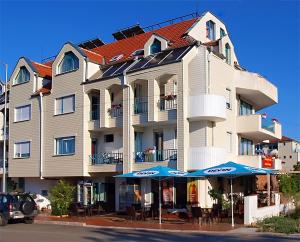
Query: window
{"points": [[23, 76], [290, 157], [222, 33], [246, 147], [22, 149], [155, 47], [44, 193], [229, 142], [139, 52], [70, 62], [228, 53], [22, 113], [108, 138], [228, 98], [210, 30], [65, 146], [245, 108], [284, 157], [65, 104], [116, 58]]}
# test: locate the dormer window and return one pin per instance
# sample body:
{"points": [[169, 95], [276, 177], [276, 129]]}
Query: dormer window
{"points": [[116, 58], [155, 47], [23, 76], [70, 62], [228, 53], [210, 30]]}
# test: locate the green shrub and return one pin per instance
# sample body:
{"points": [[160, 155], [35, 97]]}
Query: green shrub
{"points": [[61, 197], [280, 224]]}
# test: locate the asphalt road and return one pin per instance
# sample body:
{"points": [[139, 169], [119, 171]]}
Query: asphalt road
{"points": [[56, 233]]}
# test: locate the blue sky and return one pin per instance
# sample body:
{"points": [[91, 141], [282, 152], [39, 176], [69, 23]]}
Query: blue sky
{"points": [[266, 35]]}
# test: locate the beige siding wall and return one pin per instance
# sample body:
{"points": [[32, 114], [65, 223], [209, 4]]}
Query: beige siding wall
{"points": [[57, 126], [24, 131]]}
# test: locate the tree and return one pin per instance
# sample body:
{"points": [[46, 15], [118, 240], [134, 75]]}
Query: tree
{"points": [[290, 185], [61, 197]]}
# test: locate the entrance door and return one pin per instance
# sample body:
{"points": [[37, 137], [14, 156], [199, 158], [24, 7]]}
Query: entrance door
{"points": [[94, 146]]}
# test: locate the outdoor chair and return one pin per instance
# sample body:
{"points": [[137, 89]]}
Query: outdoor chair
{"points": [[206, 216], [197, 214], [97, 208], [77, 209], [133, 214], [215, 213]]}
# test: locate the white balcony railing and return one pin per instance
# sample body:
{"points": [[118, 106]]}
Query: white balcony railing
{"points": [[207, 107]]}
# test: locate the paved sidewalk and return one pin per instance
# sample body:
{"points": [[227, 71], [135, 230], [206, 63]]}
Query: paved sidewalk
{"points": [[115, 222]]}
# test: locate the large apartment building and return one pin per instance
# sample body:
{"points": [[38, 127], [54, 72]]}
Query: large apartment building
{"points": [[172, 95]]}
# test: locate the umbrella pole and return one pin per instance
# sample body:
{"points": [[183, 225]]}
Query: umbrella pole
{"points": [[232, 218], [159, 198]]}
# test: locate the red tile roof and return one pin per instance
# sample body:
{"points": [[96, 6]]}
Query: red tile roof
{"points": [[42, 70], [94, 57], [44, 90], [174, 33]]}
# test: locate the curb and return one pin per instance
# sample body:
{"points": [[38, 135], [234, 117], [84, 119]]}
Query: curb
{"points": [[78, 224], [232, 232]]}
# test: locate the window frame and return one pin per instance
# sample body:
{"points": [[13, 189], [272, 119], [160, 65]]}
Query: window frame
{"points": [[75, 68], [56, 146], [61, 106], [20, 107], [222, 33], [108, 135], [228, 54], [154, 42], [228, 104], [22, 82], [19, 143], [211, 27]]}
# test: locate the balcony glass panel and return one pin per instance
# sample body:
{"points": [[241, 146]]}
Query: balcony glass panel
{"points": [[168, 103], [106, 158], [115, 111], [268, 124], [140, 105], [155, 155]]}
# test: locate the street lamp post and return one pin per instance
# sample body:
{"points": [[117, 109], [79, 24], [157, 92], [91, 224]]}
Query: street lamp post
{"points": [[4, 135]]}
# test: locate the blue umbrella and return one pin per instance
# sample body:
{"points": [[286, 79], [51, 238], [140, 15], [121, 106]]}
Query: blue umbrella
{"points": [[230, 170], [157, 172]]}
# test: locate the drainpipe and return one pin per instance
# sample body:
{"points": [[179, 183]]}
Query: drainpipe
{"points": [[129, 109], [41, 136], [86, 69]]}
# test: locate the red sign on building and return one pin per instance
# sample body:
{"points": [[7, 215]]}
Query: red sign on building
{"points": [[267, 162]]}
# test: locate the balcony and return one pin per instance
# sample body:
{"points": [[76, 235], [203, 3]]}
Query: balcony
{"points": [[1, 166], [140, 105], [167, 107], [256, 88], [155, 155], [257, 128], [140, 111], [106, 162], [2, 133], [115, 114], [206, 156], [146, 159], [207, 107]]}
